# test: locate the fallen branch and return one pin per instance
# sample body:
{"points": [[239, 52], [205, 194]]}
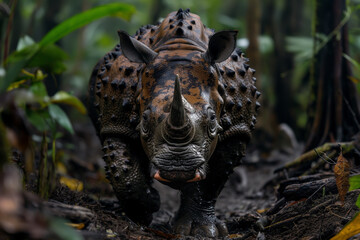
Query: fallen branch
{"points": [[313, 154], [302, 179], [311, 189], [70, 212]]}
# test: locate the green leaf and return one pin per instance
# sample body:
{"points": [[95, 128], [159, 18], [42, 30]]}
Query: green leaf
{"points": [[353, 61], [20, 59], [358, 202], [60, 117], [40, 120], [302, 47], [354, 182], [50, 58], [122, 10], [59, 227], [24, 42], [17, 61], [24, 53], [266, 44], [38, 89], [66, 98]]}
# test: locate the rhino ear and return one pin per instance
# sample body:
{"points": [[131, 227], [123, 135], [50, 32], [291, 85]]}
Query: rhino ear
{"points": [[135, 50], [221, 45]]}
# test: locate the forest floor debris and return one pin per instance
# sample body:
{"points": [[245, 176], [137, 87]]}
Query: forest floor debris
{"points": [[255, 203]]}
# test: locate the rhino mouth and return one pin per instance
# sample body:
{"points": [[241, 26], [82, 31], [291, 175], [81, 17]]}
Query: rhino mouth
{"points": [[175, 167], [179, 176]]}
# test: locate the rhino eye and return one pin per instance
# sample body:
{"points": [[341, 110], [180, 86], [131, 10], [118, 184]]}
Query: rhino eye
{"points": [[145, 122], [211, 114], [145, 115], [212, 127]]}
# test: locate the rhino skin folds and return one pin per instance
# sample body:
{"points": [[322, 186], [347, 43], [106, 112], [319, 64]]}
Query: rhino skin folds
{"points": [[177, 103]]}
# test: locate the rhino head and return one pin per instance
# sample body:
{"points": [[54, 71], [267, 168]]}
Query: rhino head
{"points": [[179, 103]]}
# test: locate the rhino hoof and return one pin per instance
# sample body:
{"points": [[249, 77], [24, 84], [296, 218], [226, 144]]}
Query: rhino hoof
{"points": [[209, 230]]}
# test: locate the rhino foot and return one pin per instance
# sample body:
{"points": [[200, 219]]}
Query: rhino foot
{"points": [[197, 218], [140, 210], [188, 226]]}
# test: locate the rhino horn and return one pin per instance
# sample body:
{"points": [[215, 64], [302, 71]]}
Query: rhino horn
{"points": [[177, 113]]}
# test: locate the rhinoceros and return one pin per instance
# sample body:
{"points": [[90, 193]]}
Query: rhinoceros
{"points": [[177, 103]]}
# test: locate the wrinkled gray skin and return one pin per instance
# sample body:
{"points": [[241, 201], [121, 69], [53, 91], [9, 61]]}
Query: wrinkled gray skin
{"points": [[180, 110]]}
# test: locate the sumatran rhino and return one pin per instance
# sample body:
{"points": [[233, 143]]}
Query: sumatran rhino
{"points": [[175, 103]]}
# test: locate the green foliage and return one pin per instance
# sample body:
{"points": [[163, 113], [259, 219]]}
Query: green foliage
{"points": [[66, 98], [38, 53], [24, 42], [25, 74], [50, 58], [302, 47], [353, 61], [120, 10], [354, 182], [43, 114], [358, 202], [63, 231], [40, 119], [60, 117]]}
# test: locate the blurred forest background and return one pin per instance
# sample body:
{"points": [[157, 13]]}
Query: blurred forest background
{"points": [[277, 36]]}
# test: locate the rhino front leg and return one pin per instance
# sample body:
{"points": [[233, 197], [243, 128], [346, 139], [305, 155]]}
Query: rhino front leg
{"points": [[127, 171], [196, 215]]}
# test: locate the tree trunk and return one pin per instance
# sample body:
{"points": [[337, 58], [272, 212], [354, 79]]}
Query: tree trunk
{"points": [[155, 11], [287, 24], [334, 112], [253, 33]]}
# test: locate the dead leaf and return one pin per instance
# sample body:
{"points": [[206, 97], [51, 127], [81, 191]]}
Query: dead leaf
{"points": [[351, 229], [77, 226], [72, 183], [260, 211], [235, 235], [353, 79], [342, 173]]}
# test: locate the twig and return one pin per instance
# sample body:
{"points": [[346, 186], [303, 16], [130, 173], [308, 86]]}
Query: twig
{"points": [[347, 15], [321, 187], [328, 158], [8, 30], [284, 222], [352, 113]]}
